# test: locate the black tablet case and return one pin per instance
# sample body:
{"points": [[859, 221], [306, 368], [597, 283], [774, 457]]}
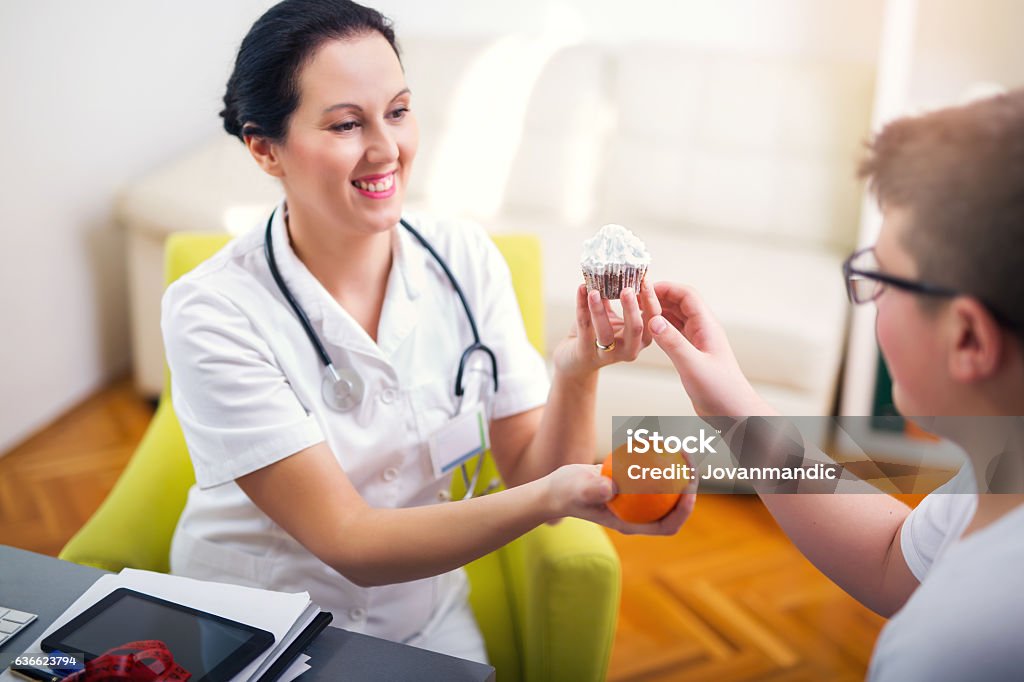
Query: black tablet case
{"points": [[315, 627]]}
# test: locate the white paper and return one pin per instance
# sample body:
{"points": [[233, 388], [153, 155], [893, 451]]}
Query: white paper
{"points": [[298, 666]]}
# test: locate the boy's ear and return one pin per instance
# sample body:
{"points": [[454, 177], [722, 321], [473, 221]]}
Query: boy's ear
{"points": [[977, 344], [266, 154]]}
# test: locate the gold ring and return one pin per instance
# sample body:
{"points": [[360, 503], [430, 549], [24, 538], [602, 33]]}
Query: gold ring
{"points": [[601, 346]]}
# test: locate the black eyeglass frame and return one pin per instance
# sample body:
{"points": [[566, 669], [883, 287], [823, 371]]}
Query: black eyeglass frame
{"points": [[907, 285], [892, 280]]}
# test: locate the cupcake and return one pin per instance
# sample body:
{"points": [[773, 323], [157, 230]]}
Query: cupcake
{"points": [[613, 259]]}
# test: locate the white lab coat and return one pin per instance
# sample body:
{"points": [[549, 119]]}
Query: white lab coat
{"points": [[246, 385]]}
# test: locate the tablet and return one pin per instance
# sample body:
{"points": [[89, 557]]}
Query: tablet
{"points": [[212, 648]]}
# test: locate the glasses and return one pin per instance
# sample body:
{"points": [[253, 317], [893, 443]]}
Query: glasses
{"points": [[864, 282]]}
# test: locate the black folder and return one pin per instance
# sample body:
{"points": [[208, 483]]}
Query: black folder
{"points": [[315, 627]]}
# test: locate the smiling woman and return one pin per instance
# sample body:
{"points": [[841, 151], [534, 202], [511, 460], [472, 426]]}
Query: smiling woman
{"points": [[296, 491], [351, 160]]}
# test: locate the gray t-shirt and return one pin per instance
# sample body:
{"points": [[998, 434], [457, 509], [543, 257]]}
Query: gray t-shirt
{"points": [[964, 621]]}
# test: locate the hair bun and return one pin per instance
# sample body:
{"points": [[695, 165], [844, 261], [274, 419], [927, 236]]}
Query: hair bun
{"points": [[230, 115]]}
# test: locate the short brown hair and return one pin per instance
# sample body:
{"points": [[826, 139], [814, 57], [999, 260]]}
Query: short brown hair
{"points": [[960, 173]]}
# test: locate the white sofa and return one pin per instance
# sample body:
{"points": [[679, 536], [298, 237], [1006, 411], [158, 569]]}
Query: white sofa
{"points": [[737, 171]]}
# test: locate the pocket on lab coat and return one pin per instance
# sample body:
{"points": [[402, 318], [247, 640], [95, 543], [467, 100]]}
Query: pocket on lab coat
{"points": [[434, 405], [195, 557], [436, 402]]}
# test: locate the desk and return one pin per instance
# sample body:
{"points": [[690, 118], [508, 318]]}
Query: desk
{"points": [[47, 586]]}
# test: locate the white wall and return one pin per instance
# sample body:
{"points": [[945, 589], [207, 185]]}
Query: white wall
{"points": [[94, 93], [941, 50], [839, 28], [961, 43]]}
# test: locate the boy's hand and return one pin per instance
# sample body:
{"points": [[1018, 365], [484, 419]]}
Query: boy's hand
{"points": [[696, 343]]}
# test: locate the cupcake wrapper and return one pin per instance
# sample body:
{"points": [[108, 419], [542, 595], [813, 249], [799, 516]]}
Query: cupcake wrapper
{"points": [[612, 278]]}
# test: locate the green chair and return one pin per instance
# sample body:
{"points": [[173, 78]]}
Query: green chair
{"points": [[547, 603]]}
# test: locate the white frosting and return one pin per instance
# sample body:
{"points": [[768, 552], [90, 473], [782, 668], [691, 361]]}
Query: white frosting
{"points": [[614, 244]]}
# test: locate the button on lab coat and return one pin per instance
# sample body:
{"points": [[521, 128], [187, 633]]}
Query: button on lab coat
{"points": [[246, 385]]}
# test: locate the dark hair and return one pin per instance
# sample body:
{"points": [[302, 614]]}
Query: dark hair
{"points": [[960, 173], [263, 90]]}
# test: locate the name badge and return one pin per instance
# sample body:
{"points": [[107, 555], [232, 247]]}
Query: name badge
{"points": [[460, 440]]}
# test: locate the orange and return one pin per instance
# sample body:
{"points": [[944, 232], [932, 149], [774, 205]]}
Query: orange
{"points": [[639, 507]]}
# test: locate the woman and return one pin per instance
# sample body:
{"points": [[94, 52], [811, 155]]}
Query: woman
{"points": [[331, 481]]}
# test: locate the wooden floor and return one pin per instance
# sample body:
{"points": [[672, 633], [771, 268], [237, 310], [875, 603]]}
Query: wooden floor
{"points": [[728, 598], [52, 483]]}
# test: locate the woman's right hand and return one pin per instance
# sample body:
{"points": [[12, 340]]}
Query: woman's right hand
{"points": [[580, 490], [580, 353], [696, 343]]}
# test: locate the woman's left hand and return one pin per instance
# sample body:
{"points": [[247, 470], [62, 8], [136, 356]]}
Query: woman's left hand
{"points": [[580, 490], [600, 336]]}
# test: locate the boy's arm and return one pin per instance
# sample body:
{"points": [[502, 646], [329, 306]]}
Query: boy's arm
{"points": [[853, 538]]}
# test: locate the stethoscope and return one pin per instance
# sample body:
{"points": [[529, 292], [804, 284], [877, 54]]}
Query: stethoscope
{"points": [[342, 388]]}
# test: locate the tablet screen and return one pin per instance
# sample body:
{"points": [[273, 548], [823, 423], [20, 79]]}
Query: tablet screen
{"points": [[210, 647]]}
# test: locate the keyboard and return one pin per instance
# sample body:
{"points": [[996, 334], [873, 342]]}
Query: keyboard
{"points": [[12, 621]]}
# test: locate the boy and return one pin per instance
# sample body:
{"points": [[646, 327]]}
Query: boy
{"points": [[947, 277]]}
